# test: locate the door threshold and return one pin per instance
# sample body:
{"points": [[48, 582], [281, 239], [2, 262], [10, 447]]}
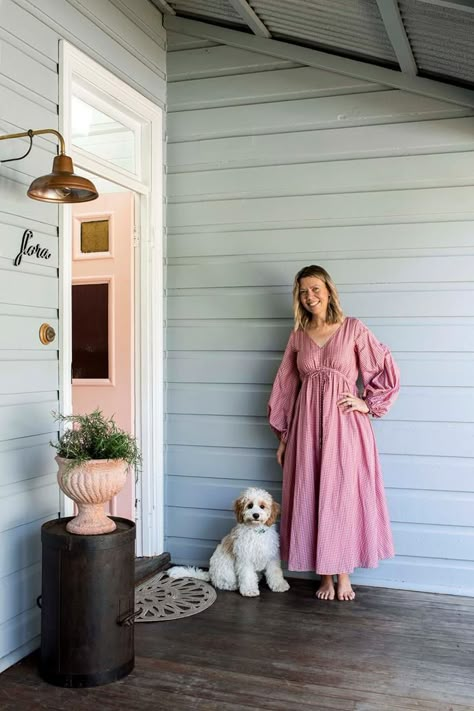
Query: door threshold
{"points": [[148, 567]]}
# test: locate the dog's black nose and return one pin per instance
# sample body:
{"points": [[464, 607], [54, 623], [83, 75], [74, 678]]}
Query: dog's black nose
{"points": [[256, 516]]}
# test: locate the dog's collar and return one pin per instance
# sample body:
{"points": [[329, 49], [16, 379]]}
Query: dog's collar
{"points": [[261, 529]]}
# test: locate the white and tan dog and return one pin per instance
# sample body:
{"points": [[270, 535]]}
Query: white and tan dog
{"points": [[252, 547]]}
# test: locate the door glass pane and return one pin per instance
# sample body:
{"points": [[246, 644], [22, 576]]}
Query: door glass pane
{"points": [[90, 331], [101, 135], [94, 236]]}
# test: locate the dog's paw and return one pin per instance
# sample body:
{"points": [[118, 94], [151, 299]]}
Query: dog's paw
{"points": [[250, 592], [282, 586]]}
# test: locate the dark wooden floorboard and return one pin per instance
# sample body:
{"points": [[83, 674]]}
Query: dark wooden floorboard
{"points": [[388, 651]]}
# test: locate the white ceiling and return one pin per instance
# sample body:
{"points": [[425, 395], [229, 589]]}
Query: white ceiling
{"points": [[430, 38]]}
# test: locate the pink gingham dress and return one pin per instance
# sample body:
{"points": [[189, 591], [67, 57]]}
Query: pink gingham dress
{"points": [[334, 512]]}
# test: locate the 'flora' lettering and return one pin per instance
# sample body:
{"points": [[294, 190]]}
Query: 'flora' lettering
{"points": [[30, 250]]}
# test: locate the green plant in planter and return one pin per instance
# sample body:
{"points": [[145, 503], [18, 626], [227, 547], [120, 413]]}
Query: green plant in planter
{"points": [[94, 436]]}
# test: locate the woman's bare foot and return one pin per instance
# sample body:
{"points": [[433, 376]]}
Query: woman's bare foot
{"points": [[326, 590], [344, 587]]}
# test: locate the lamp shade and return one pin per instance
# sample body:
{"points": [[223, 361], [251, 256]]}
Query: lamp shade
{"points": [[62, 185]]}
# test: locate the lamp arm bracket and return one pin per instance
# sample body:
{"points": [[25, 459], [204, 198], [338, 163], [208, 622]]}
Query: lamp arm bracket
{"points": [[30, 133], [11, 160]]}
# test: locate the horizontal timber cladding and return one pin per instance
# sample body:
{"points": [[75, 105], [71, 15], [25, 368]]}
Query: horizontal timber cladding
{"points": [[273, 165], [426, 137], [326, 112], [128, 39]]}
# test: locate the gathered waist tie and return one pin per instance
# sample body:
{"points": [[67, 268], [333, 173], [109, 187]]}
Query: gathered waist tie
{"points": [[323, 375]]}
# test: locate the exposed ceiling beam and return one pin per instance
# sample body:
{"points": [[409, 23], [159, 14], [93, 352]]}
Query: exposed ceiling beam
{"points": [[323, 60], [164, 7], [250, 17], [462, 5], [397, 35]]}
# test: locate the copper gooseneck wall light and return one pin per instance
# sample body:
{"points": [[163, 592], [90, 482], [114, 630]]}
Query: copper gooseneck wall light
{"points": [[61, 185]]}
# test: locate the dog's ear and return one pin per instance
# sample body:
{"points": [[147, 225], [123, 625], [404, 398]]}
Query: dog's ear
{"points": [[239, 507], [274, 514]]}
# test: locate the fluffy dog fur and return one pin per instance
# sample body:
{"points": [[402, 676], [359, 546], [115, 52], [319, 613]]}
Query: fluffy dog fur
{"points": [[252, 547]]}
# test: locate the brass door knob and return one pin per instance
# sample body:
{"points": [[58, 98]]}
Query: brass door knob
{"points": [[47, 334]]}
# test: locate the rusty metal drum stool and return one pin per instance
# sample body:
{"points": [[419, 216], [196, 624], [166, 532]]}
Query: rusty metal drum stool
{"points": [[87, 605]]}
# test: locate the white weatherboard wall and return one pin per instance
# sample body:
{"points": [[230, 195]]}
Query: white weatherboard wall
{"points": [[128, 39], [271, 166]]}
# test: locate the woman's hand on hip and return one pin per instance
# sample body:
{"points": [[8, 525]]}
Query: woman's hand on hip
{"points": [[350, 403], [281, 453]]}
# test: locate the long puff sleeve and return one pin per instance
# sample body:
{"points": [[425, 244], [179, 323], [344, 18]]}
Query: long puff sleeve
{"points": [[284, 392], [380, 373]]}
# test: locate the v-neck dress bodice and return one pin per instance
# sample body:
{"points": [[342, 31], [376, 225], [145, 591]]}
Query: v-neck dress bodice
{"points": [[334, 513]]}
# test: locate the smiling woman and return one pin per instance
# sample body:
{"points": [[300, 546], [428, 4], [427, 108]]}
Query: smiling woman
{"points": [[334, 514], [316, 303]]}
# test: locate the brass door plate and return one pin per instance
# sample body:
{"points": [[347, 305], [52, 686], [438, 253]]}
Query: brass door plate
{"points": [[47, 334]]}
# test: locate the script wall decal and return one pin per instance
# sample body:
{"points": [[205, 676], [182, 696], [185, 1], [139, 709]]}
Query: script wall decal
{"points": [[30, 250]]}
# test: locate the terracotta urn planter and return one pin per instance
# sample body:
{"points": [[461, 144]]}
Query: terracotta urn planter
{"points": [[90, 485]]}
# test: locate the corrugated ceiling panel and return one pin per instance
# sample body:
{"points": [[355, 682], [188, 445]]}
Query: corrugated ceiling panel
{"points": [[207, 9], [442, 39], [349, 26]]}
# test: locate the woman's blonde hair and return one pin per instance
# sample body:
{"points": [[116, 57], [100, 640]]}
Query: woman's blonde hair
{"points": [[334, 312]]}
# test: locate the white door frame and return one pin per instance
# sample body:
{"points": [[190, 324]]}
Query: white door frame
{"points": [[114, 94]]}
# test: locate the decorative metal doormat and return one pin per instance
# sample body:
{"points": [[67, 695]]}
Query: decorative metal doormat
{"points": [[162, 598]]}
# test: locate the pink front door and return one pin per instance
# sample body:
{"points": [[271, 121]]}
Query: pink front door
{"points": [[102, 317]]}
